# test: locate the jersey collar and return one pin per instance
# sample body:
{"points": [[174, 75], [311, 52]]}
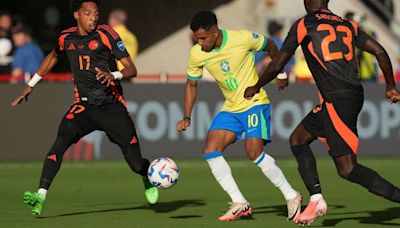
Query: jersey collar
{"points": [[224, 41]]}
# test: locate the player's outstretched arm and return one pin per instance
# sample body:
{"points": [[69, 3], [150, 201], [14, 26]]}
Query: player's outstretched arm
{"points": [[129, 70], [282, 80], [273, 69], [373, 47], [48, 63], [107, 77], [190, 98]]}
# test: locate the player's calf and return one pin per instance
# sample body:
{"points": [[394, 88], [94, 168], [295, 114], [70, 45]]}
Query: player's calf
{"points": [[372, 181]]}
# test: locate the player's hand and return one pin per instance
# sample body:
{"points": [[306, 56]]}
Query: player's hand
{"points": [[282, 83], [24, 95], [104, 77], [392, 95], [183, 124], [250, 92]]}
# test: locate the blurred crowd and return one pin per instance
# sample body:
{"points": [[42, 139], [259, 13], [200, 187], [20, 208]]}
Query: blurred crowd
{"points": [[20, 55]]}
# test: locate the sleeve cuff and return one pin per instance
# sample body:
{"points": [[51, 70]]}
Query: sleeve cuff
{"points": [[194, 78], [264, 43]]}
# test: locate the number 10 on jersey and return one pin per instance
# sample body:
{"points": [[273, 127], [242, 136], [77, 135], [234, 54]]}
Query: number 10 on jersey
{"points": [[232, 83]]}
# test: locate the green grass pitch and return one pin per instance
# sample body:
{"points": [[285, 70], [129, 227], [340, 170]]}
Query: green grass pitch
{"points": [[108, 194]]}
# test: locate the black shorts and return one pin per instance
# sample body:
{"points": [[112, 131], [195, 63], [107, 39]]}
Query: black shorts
{"points": [[83, 118], [336, 124]]}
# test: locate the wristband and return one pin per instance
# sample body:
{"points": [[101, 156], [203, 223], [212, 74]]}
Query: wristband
{"points": [[186, 117], [34, 80], [117, 75], [282, 76]]}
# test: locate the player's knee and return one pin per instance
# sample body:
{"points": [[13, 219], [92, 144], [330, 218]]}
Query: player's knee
{"points": [[295, 140], [253, 154], [344, 172], [209, 149]]}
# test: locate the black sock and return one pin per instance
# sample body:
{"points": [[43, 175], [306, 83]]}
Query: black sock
{"points": [[50, 168], [307, 167], [371, 180]]}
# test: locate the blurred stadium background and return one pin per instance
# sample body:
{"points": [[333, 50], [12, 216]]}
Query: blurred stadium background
{"points": [[155, 98]]}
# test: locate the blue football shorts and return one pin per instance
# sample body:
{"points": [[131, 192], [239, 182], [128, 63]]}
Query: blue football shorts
{"points": [[254, 123]]}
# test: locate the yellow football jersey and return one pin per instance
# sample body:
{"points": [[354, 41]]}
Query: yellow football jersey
{"points": [[232, 66]]}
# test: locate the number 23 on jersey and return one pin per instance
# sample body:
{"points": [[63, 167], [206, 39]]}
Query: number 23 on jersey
{"points": [[332, 37]]}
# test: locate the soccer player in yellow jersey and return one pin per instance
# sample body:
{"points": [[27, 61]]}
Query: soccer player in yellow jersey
{"points": [[227, 55]]}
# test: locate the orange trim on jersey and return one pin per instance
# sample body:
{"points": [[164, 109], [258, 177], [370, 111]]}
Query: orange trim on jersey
{"points": [[321, 99], [322, 139], [311, 49], [355, 26], [61, 41], [72, 29], [119, 97], [104, 39], [110, 30], [344, 131], [76, 94], [301, 31]]}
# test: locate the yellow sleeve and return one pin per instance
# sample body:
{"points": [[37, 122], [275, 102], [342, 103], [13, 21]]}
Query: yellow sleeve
{"points": [[195, 69], [255, 41]]}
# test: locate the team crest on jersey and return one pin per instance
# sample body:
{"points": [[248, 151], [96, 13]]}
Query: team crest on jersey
{"points": [[225, 66], [93, 45], [121, 46], [255, 35]]}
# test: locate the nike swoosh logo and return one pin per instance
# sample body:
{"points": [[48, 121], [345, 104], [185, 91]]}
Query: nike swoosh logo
{"points": [[238, 210], [294, 215], [251, 130]]}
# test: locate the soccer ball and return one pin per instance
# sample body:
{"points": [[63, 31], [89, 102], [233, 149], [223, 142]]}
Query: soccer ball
{"points": [[163, 173]]}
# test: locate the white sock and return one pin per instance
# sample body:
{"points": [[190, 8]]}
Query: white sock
{"points": [[316, 197], [223, 174], [42, 191], [275, 175]]}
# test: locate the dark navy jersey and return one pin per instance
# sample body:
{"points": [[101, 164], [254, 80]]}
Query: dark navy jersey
{"points": [[328, 43], [101, 49]]}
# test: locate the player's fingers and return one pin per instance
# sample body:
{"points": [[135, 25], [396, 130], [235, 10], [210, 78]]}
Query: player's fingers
{"points": [[97, 69], [17, 101]]}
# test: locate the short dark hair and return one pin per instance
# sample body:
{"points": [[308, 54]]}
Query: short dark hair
{"points": [[203, 19], [75, 5], [24, 29], [5, 12]]}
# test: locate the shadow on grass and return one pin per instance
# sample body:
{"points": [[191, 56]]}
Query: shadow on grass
{"points": [[162, 207], [382, 217], [281, 210]]}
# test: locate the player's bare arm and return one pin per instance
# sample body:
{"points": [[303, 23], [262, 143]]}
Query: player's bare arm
{"points": [[273, 69], [129, 71], [48, 63], [190, 98], [272, 50], [374, 48]]}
